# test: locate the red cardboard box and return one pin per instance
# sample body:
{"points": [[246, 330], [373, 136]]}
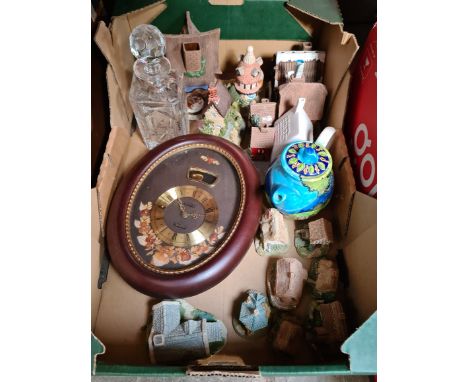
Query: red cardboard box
{"points": [[361, 119]]}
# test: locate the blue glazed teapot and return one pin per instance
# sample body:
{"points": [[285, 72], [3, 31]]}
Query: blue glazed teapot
{"points": [[300, 181]]}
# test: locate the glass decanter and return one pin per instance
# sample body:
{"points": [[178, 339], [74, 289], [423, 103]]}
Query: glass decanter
{"points": [[156, 90]]}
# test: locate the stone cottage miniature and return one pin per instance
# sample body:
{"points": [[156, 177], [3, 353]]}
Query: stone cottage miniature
{"points": [[316, 240], [327, 326], [273, 238], [285, 281], [179, 332], [323, 276]]}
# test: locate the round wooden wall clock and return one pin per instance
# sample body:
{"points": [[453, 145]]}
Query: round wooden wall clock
{"points": [[182, 219]]}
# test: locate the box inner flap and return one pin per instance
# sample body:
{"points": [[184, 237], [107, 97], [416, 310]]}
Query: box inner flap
{"points": [[244, 22], [360, 254], [95, 257], [326, 10]]}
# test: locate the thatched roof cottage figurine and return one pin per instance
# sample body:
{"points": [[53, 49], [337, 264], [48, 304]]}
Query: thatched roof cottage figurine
{"points": [[180, 332], [222, 118], [254, 314], [263, 114], [195, 55], [261, 143], [249, 78], [327, 326], [285, 281], [323, 276], [273, 238], [316, 240]]}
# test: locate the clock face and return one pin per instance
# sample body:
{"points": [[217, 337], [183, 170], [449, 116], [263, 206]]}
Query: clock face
{"points": [[184, 208]]}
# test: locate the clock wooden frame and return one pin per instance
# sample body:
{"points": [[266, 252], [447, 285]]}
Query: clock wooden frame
{"points": [[218, 265]]}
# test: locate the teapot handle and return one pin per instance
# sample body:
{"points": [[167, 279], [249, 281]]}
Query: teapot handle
{"points": [[326, 137]]}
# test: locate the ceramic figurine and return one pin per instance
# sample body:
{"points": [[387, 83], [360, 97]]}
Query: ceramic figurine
{"points": [[294, 126], [180, 332], [300, 181], [261, 143], [285, 280], [222, 118], [263, 114], [197, 102], [327, 324], [314, 93], [273, 238], [287, 62], [254, 314], [194, 55], [323, 276], [314, 241], [289, 337], [249, 78]]}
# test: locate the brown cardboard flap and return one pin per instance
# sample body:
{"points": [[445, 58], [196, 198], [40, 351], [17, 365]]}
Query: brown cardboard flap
{"points": [[338, 61], [360, 254], [345, 186], [363, 216], [106, 182], [361, 261], [120, 117], [95, 256], [114, 45]]}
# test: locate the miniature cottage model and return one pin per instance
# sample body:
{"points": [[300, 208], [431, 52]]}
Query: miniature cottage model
{"points": [[263, 114], [316, 240], [314, 93], [261, 143], [287, 63], [180, 332], [254, 312], [273, 239], [285, 282], [323, 276], [194, 55]]}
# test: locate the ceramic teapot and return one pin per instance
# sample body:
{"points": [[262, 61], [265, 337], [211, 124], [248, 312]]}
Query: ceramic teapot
{"points": [[300, 181]]}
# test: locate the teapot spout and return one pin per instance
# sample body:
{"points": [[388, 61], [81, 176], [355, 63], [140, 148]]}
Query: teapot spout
{"points": [[278, 196]]}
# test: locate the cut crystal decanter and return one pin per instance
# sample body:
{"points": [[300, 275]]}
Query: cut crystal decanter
{"points": [[156, 90]]}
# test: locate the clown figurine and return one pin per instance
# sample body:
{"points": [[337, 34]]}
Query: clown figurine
{"points": [[249, 78]]}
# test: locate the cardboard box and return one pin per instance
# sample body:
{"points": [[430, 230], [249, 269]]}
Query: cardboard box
{"points": [[120, 313]]}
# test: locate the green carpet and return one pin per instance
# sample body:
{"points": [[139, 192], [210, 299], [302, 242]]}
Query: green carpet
{"points": [[255, 20]]}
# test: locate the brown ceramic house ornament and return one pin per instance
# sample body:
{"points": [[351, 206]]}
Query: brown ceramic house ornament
{"points": [[249, 76], [285, 282], [314, 93], [273, 238], [261, 143], [194, 54], [263, 114]]}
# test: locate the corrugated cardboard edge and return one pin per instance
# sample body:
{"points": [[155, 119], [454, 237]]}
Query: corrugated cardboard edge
{"points": [[221, 373], [97, 347], [107, 41], [226, 2], [345, 39], [361, 347]]}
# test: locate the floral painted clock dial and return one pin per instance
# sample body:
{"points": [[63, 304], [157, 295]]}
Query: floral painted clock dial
{"points": [[184, 217]]}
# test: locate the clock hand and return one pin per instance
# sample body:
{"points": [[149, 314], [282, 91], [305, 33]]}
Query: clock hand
{"points": [[182, 208]]}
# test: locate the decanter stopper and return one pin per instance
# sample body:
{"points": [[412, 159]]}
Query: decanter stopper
{"points": [[147, 41]]}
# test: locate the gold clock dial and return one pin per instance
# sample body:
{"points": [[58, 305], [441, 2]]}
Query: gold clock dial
{"points": [[184, 216]]}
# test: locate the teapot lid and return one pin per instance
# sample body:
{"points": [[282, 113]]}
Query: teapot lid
{"points": [[306, 159]]}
